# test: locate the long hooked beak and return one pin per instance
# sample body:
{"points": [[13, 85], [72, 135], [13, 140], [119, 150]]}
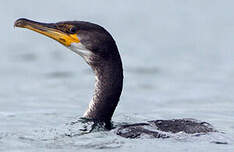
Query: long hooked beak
{"points": [[48, 29]]}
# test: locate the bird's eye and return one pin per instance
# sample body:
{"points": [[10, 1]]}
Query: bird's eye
{"points": [[73, 30]]}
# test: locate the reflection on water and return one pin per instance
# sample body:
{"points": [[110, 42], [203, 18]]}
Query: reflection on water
{"points": [[178, 63]]}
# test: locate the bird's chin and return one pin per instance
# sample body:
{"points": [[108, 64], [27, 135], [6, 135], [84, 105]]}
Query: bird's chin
{"points": [[81, 50]]}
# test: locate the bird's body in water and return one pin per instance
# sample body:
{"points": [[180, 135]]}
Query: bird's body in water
{"points": [[99, 50]]}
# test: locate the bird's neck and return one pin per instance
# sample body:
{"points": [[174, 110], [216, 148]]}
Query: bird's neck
{"points": [[108, 88]]}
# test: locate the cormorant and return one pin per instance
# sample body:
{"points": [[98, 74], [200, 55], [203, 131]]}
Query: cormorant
{"points": [[99, 50]]}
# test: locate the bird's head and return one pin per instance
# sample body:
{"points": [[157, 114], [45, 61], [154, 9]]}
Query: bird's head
{"points": [[89, 40]]}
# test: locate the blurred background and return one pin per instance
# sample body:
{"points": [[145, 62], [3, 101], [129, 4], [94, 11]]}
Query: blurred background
{"points": [[178, 63]]}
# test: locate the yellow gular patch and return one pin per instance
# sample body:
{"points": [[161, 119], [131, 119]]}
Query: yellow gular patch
{"points": [[66, 39]]}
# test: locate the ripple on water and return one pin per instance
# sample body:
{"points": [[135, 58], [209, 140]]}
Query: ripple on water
{"points": [[27, 57], [143, 70], [60, 74], [81, 136], [58, 138]]}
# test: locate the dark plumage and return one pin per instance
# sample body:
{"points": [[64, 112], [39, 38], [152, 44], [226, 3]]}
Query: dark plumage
{"points": [[100, 51]]}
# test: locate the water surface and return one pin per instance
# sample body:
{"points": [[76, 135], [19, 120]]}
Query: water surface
{"points": [[178, 63]]}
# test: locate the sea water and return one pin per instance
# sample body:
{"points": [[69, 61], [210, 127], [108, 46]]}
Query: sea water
{"points": [[178, 63]]}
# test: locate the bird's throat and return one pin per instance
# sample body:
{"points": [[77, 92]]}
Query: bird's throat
{"points": [[108, 88]]}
